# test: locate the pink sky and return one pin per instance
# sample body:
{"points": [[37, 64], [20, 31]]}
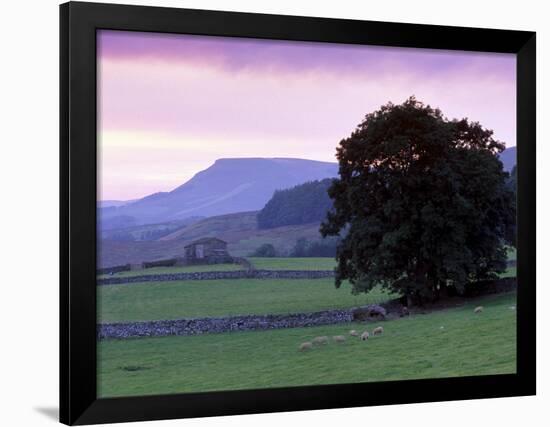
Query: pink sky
{"points": [[170, 105]]}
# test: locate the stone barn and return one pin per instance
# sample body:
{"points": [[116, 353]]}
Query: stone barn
{"points": [[209, 250]]}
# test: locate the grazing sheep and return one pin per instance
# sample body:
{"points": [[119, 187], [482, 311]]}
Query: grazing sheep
{"points": [[354, 333], [478, 309], [306, 346], [339, 338], [320, 340], [365, 336], [378, 331]]}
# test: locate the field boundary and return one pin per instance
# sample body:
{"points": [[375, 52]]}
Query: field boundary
{"points": [[205, 325], [208, 325], [219, 275]]}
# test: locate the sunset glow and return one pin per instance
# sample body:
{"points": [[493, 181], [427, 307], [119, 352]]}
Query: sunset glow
{"points": [[170, 105]]}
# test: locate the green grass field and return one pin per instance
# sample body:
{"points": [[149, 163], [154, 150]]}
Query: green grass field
{"points": [[293, 263], [173, 270], [258, 263], [204, 298], [453, 342]]}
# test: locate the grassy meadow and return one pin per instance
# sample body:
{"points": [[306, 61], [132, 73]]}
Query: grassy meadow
{"points": [[174, 270], [448, 343], [293, 263], [215, 298]]}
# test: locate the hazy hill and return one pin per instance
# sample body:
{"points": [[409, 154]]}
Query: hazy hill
{"points": [[240, 230], [145, 231], [508, 158], [112, 203], [228, 186]]}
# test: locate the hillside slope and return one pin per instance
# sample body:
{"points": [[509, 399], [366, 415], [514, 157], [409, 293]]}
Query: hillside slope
{"points": [[240, 230], [228, 186]]}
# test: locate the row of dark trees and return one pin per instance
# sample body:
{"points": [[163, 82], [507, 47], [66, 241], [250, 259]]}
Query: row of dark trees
{"points": [[302, 204]]}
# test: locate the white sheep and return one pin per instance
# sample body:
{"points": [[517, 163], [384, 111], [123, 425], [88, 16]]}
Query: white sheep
{"points": [[478, 309], [339, 338], [320, 340], [306, 346], [365, 336], [354, 333], [378, 331]]}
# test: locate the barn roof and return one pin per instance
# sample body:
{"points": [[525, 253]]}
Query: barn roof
{"points": [[205, 240]]}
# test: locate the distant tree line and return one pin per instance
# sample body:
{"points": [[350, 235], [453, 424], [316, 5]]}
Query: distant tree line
{"points": [[302, 204]]}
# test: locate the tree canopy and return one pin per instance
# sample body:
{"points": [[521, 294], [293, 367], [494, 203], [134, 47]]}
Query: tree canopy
{"points": [[423, 201]]}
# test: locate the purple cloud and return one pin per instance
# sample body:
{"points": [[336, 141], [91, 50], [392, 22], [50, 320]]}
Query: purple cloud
{"points": [[187, 100]]}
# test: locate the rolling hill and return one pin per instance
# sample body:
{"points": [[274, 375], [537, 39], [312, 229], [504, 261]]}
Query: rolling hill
{"points": [[229, 194], [228, 186], [239, 230]]}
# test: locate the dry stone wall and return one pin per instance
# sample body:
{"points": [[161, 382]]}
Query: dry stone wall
{"points": [[219, 275]]}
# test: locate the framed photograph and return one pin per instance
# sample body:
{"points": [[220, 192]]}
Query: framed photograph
{"points": [[267, 213]]}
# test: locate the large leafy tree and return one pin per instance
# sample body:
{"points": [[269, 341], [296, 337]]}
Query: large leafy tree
{"points": [[421, 202]]}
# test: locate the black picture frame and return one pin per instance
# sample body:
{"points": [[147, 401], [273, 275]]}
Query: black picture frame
{"points": [[78, 24]]}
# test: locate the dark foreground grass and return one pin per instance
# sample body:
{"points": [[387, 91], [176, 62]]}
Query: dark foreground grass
{"points": [[453, 342], [215, 298]]}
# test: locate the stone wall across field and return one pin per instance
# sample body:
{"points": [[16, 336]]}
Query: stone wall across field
{"points": [[219, 275], [387, 310], [223, 324]]}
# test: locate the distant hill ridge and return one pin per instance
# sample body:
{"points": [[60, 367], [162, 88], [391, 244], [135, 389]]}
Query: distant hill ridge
{"points": [[228, 186]]}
